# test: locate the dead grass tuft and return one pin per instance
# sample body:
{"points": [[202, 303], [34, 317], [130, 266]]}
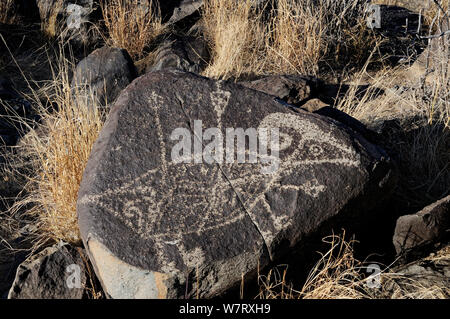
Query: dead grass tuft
{"points": [[55, 152], [132, 25], [338, 275], [416, 107], [7, 14], [283, 36], [295, 43], [236, 35]]}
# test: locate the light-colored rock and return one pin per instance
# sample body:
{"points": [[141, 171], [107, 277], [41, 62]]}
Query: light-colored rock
{"points": [[431, 223]]}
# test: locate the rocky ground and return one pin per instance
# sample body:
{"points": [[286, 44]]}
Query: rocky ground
{"points": [[364, 148]]}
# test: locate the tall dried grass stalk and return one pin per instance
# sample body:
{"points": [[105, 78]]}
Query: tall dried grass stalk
{"points": [[338, 275], [282, 36], [7, 15], [56, 152], [132, 25]]}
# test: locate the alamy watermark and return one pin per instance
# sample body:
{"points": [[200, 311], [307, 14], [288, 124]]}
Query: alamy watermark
{"points": [[73, 280], [373, 281], [211, 146], [373, 16]]}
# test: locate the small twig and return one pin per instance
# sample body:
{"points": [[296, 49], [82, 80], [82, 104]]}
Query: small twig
{"points": [[443, 11], [436, 35], [420, 22]]}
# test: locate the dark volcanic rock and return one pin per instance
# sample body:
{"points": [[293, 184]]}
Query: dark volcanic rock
{"points": [[104, 74], [161, 226], [293, 89], [348, 121], [431, 223], [57, 272], [184, 53]]}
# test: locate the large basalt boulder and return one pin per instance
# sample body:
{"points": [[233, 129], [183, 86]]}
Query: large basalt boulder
{"points": [[159, 228], [57, 272], [103, 74], [428, 225]]}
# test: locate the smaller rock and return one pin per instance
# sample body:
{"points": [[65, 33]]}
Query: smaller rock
{"points": [[428, 225], [185, 9], [314, 105], [433, 61], [103, 74], [293, 89], [57, 272], [189, 54], [426, 278]]}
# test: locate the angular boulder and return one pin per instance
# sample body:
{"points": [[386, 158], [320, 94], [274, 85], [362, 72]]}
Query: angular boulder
{"points": [[431, 223], [155, 227], [184, 9], [103, 74], [57, 272], [186, 53], [293, 89]]}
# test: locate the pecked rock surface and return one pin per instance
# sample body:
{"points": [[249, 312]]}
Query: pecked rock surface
{"points": [[155, 228]]}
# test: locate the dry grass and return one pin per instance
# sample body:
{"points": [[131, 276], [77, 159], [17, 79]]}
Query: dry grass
{"points": [[132, 25], [294, 37], [56, 152], [7, 15], [285, 36], [295, 43], [236, 35], [419, 142], [418, 100], [438, 12], [338, 275]]}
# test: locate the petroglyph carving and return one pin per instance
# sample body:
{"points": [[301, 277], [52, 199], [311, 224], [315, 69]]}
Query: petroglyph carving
{"points": [[230, 193]]}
